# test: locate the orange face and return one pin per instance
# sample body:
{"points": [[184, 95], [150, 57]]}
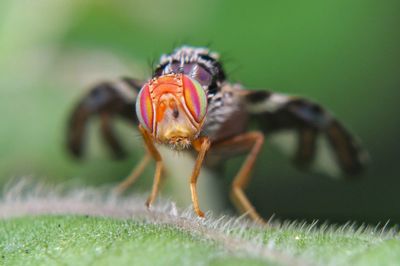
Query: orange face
{"points": [[172, 108]]}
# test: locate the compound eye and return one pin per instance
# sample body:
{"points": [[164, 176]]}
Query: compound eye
{"points": [[144, 108], [195, 98], [203, 76]]}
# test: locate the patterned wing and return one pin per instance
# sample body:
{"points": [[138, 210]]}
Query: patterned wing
{"points": [[306, 131], [106, 101]]}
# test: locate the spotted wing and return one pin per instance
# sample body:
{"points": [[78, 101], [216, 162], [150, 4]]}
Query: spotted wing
{"points": [[315, 139], [106, 100]]}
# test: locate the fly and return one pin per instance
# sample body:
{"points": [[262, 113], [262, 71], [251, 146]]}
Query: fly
{"points": [[188, 104]]}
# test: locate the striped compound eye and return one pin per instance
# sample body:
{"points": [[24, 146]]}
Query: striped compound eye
{"points": [[182, 87], [144, 108], [195, 98]]}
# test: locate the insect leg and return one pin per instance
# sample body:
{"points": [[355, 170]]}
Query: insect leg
{"points": [[202, 145], [136, 172], [252, 142], [159, 165]]}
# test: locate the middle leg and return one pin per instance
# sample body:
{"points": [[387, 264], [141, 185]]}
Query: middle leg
{"points": [[136, 172], [252, 142]]}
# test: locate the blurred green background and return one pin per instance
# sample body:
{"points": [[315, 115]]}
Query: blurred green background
{"points": [[343, 54]]}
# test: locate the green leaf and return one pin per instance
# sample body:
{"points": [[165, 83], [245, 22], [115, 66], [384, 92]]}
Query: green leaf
{"points": [[77, 240], [89, 227]]}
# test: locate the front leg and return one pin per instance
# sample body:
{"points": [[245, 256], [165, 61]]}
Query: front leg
{"points": [[148, 140], [202, 145]]}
